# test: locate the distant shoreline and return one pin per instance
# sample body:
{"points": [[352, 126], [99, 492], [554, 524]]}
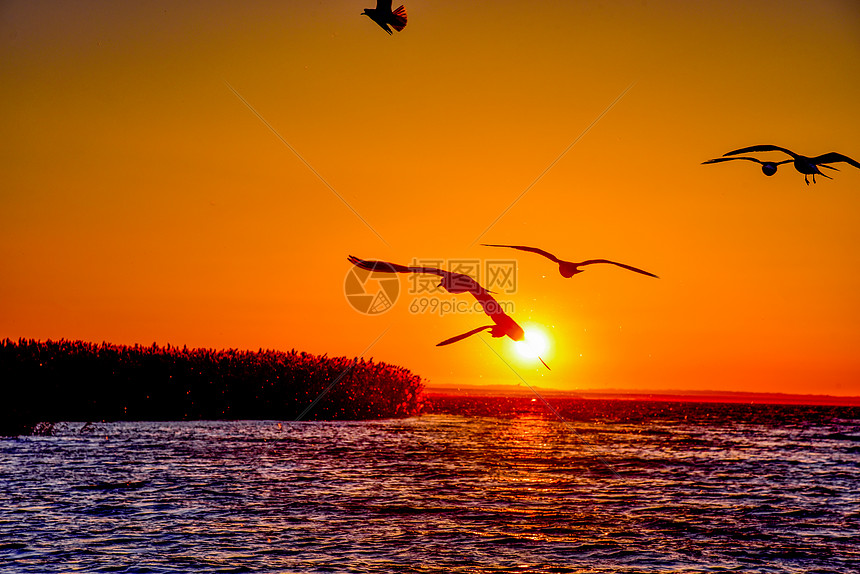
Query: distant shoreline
{"points": [[644, 395]]}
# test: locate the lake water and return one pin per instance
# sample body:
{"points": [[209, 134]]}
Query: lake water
{"points": [[477, 486]]}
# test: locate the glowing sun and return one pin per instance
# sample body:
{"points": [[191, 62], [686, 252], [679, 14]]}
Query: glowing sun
{"points": [[536, 343]]}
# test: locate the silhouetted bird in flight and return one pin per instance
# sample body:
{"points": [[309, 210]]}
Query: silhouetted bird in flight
{"points": [[383, 16], [805, 165], [569, 268], [503, 324], [451, 282], [767, 167]]}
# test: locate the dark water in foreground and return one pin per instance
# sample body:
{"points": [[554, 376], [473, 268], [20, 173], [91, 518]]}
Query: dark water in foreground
{"points": [[720, 490]]}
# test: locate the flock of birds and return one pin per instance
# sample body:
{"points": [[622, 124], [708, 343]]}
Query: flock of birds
{"points": [[503, 324], [456, 283], [384, 16]]}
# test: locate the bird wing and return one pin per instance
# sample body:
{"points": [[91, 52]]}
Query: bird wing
{"points": [[386, 267], [429, 271], [765, 147], [546, 254], [628, 267], [451, 277], [489, 304], [382, 266], [398, 18], [722, 159], [384, 5], [463, 282], [833, 157], [463, 336], [384, 26]]}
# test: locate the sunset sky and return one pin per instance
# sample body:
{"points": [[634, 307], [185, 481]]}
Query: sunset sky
{"points": [[143, 200]]}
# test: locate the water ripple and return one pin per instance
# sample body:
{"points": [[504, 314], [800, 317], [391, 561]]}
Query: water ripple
{"points": [[718, 491]]}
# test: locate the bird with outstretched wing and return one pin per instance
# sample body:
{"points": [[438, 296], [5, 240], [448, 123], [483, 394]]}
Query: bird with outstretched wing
{"points": [[571, 268]]}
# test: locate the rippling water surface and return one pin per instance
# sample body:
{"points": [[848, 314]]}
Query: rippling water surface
{"points": [[481, 486]]}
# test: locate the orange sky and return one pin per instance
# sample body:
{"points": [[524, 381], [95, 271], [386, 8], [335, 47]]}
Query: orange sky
{"points": [[143, 201]]}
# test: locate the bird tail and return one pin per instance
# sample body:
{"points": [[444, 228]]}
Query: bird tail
{"points": [[399, 20]]}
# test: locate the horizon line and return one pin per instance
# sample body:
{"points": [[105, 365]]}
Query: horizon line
{"points": [[691, 395]]}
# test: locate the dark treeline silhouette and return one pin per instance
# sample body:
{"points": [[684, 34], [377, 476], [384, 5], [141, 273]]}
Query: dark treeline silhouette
{"points": [[78, 381]]}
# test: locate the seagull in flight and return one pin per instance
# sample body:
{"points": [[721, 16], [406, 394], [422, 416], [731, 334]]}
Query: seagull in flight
{"points": [[569, 268], [384, 16], [805, 165], [767, 167], [451, 282], [503, 324]]}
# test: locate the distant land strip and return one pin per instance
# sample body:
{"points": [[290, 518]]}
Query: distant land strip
{"points": [[704, 396]]}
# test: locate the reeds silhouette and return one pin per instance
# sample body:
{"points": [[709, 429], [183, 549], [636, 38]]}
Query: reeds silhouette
{"points": [[79, 381]]}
